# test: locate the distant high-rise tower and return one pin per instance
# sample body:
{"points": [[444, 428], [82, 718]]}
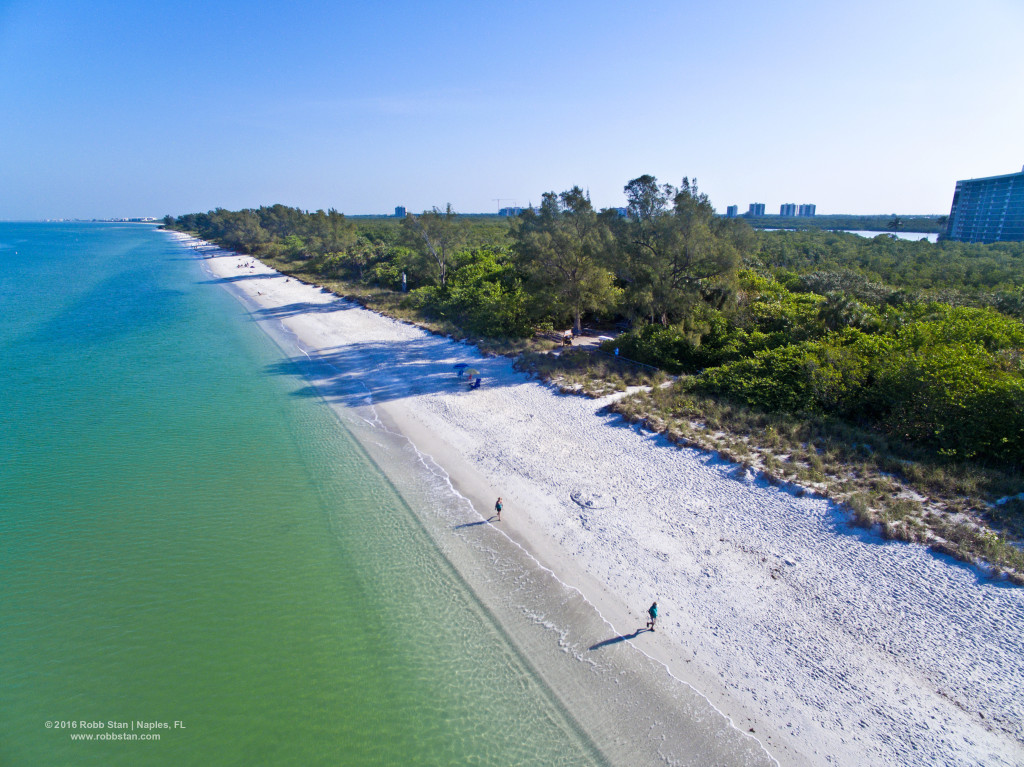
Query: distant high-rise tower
{"points": [[732, 211], [807, 210], [399, 211], [787, 209], [988, 209], [756, 209]]}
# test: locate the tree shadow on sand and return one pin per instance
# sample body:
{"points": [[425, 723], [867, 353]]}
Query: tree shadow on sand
{"points": [[359, 374], [302, 307], [239, 278], [838, 519]]}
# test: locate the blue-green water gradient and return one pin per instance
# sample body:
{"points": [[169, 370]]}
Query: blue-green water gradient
{"points": [[182, 541]]}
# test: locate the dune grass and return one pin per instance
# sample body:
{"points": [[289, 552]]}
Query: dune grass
{"points": [[907, 494]]}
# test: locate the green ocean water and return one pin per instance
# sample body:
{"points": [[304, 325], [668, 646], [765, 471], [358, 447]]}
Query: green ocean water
{"points": [[184, 541]]}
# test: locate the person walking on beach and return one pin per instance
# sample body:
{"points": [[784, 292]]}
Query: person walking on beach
{"points": [[652, 611], [497, 508]]}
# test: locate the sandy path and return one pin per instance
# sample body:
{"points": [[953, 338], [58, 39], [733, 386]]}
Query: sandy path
{"points": [[835, 646]]}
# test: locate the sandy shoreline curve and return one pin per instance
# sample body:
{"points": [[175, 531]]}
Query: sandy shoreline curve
{"points": [[817, 643]]}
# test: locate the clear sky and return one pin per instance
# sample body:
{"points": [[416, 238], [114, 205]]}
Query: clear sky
{"points": [[141, 108]]}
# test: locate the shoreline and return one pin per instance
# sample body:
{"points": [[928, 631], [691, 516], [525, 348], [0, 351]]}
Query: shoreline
{"points": [[761, 616]]}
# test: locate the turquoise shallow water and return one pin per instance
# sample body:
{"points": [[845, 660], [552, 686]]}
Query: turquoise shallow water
{"points": [[183, 541]]}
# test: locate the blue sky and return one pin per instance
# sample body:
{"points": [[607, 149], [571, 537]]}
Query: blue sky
{"points": [[131, 109]]}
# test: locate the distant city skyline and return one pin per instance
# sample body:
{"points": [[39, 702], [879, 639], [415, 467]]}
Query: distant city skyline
{"points": [[126, 112]]}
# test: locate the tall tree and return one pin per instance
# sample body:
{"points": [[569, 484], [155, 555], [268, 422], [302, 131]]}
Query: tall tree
{"points": [[646, 200], [437, 235], [677, 250], [329, 232], [564, 251]]}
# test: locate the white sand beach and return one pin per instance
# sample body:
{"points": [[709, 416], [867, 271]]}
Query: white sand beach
{"points": [[815, 642]]}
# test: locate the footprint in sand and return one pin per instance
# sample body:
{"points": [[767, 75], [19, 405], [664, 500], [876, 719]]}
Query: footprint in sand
{"points": [[592, 500]]}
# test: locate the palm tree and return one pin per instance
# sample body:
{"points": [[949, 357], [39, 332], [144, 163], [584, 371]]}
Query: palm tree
{"points": [[841, 311]]}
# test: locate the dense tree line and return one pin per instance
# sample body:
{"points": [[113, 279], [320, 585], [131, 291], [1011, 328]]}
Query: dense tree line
{"points": [[884, 268], [923, 341], [882, 223], [944, 377]]}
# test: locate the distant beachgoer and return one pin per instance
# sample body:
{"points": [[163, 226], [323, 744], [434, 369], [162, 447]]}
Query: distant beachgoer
{"points": [[497, 508], [652, 611]]}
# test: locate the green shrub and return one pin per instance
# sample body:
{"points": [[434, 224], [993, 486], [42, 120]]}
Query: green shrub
{"points": [[481, 296]]}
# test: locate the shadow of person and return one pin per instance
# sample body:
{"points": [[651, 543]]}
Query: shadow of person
{"points": [[472, 524], [616, 640]]}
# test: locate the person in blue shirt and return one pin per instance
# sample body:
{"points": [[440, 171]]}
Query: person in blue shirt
{"points": [[653, 612], [497, 508]]}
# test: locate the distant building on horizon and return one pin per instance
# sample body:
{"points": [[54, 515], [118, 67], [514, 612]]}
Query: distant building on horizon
{"points": [[807, 210], [988, 209], [788, 209], [732, 211], [399, 211], [512, 211], [756, 209]]}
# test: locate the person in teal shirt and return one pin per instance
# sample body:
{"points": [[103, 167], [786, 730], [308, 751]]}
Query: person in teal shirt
{"points": [[653, 612]]}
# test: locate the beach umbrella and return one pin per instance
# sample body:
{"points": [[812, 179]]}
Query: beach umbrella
{"points": [[472, 372]]}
